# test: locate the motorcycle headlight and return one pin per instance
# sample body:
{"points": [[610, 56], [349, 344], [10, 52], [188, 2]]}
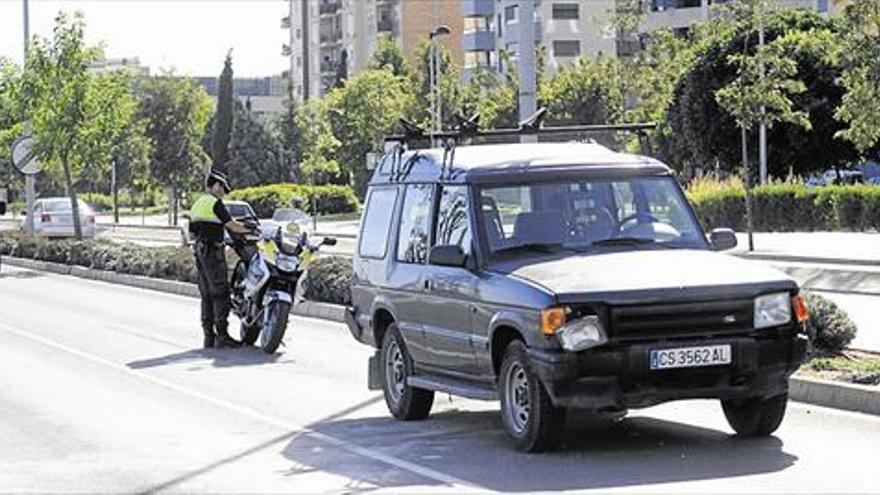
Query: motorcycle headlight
{"points": [[582, 333], [286, 263], [772, 310]]}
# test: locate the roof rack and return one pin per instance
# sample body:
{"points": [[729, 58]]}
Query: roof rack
{"points": [[467, 128]]}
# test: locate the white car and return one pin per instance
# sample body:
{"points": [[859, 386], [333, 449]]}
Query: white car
{"points": [[53, 217]]}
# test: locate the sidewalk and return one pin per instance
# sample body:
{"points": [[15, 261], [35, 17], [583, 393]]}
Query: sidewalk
{"points": [[849, 248]]}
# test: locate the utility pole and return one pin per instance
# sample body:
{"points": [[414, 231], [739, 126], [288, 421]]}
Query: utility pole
{"points": [[762, 125], [527, 75], [30, 186]]}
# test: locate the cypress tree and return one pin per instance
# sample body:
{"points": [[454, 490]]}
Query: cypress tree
{"points": [[223, 117]]}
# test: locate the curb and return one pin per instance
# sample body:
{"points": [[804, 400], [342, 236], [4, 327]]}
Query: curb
{"points": [[849, 397], [310, 309], [846, 396]]}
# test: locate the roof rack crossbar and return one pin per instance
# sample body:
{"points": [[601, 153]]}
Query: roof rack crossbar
{"points": [[516, 131]]}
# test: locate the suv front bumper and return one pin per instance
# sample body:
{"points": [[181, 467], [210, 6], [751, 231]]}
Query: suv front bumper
{"points": [[618, 377]]}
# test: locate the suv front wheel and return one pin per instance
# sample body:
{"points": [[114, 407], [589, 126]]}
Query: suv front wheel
{"points": [[756, 416], [529, 416], [404, 401]]}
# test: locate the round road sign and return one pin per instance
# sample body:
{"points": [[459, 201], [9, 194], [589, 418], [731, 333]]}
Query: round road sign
{"points": [[23, 156]]}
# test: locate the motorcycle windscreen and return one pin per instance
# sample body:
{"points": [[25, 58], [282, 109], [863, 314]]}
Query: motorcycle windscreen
{"points": [[256, 277]]}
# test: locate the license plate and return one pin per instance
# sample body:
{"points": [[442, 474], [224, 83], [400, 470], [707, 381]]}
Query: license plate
{"points": [[690, 357]]}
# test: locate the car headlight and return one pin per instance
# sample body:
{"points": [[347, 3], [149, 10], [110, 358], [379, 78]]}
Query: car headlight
{"points": [[286, 263], [582, 333], [772, 310]]}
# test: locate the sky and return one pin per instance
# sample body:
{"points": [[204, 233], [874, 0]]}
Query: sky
{"points": [[190, 37]]}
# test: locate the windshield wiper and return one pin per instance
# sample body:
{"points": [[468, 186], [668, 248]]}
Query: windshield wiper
{"points": [[532, 246], [623, 241]]}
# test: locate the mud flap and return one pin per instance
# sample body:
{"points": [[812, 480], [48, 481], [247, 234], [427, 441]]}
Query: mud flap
{"points": [[374, 382]]}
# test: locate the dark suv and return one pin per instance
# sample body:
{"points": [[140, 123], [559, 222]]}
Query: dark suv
{"points": [[559, 277]]}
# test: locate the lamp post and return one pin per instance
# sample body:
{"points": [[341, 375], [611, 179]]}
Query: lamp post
{"points": [[434, 71], [29, 180]]}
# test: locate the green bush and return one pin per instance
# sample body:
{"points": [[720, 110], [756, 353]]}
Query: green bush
{"points": [[329, 280], [330, 199], [104, 202], [829, 326], [786, 207]]}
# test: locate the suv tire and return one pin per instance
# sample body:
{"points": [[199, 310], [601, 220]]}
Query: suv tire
{"points": [[404, 402], [529, 416], [756, 416]]}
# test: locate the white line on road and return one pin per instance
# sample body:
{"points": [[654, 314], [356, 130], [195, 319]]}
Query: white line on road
{"points": [[425, 472]]}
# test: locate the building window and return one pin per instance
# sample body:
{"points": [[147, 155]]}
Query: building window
{"points": [[477, 58], [299, 33], [480, 23], [661, 5], [412, 239], [566, 11], [567, 48], [511, 13], [299, 62]]}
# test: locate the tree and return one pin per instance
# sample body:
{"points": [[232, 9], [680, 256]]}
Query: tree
{"points": [[223, 118], [319, 145], [176, 111], [389, 56], [589, 92], [368, 107], [287, 132], [11, 120], [704, 133], [77, 117], [860, 106], [254, 154]]}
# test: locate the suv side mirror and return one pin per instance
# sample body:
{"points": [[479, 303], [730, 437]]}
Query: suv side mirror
{"points": [[448, 255], [722, 239]]}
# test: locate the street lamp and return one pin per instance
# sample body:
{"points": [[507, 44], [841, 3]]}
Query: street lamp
{"points": [[434, 71]]}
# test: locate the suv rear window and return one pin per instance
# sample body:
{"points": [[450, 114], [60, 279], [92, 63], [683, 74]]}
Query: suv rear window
{"points": [[452, 218], [377, 222]]}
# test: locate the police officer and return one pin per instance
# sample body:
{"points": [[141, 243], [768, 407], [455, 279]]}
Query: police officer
{"points": [[208, 218]]}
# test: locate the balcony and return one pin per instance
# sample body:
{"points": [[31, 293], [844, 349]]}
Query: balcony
{"points": [[285, 22], [473, 8], [331, 37], [385, 26], [285, 51], [478, 40]]}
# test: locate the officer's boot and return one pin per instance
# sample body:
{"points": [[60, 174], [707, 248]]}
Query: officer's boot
{"points": [[209, 337], [224, 340]]}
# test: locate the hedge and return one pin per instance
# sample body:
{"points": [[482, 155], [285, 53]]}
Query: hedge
{"points": [[786, 207], [330, 198], [326, 282]]}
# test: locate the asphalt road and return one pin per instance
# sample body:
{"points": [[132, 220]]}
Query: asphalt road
{"points": [[103, 390]]}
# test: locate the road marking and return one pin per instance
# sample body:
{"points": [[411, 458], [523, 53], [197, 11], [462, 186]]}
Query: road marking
{"points": [[369, 453]]}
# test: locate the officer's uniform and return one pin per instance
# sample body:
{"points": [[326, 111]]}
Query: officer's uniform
{"points": [[207, 218]]}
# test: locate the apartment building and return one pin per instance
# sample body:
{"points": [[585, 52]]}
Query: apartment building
{"points": [[329, 37], [265, 96]]}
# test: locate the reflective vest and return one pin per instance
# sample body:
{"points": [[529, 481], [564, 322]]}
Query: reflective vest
{"points": [[203, 210]]}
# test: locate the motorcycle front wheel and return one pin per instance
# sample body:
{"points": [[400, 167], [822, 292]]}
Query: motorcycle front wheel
{"points": [[276, 324]]}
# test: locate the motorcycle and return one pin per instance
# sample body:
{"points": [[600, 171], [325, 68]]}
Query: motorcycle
{"points": [[264, 282]]}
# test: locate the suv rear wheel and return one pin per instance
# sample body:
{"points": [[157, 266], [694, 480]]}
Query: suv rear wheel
{"points": [[529, 417], [756, 416], [404, 402]]}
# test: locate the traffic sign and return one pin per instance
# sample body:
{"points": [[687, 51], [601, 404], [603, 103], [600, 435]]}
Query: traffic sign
{"points": [[23, 156]]}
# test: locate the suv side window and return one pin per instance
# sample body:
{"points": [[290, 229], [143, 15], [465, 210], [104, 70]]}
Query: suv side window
{"points": [[412, 241], [377, 222], [453, 225]]}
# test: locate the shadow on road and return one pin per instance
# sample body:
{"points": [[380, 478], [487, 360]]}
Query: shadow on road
{"points": [[21, 274], [220, 358], [597, 453]]}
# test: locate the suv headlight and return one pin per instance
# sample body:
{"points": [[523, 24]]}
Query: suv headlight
{"points": [[772, 310], [582, 333]]}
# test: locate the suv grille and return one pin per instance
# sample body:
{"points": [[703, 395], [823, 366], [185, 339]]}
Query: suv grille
{"points": [[681, 320]]}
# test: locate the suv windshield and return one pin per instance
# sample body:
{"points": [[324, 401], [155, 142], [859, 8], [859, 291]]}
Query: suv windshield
{"points": [[588, 213]]}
